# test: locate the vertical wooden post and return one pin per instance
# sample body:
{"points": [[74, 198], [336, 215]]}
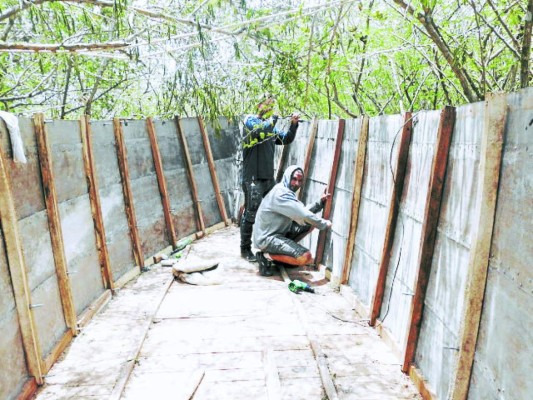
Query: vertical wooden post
{"points": [[429, 231], [200, 225], [489, 174], [331, 189], [18, 273], [161, 181], [122, 157], [54, 223], [394, 208], [96, 206], [281, 163], [308, 154], [213, 172], [356, 198]]}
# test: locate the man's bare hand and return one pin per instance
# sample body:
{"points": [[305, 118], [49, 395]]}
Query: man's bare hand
{"points": [[325, 196], [328, 224], [295, 117]]}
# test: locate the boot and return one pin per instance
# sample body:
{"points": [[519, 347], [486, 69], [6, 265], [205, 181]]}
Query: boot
{"points": [[248, 255], [265, 266]]}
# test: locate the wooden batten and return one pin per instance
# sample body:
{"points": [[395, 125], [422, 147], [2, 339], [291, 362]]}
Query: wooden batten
{"points": [[128, 195], [28, 390], [94, 308], [161, 181], [331, 189], [281, 163], [54, 223], [200, 225], [429, 231], [58, 349], [96, 205], [308, 155], [19, 275], [421, 384], [213, 172], [489, 174], [356, 198], [394, 209]]}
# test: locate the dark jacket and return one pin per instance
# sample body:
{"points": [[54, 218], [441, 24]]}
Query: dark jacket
{"points": [[260, 138]]}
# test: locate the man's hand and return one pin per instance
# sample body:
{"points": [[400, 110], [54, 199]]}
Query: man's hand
{"points": [[325, 196], [328, 224], [295, 117]]}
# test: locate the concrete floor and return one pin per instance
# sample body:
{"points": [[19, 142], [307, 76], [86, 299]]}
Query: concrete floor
{"points": [[247, 338]]}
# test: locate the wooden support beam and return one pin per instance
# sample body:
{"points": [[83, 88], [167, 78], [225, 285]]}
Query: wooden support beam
{"points": [[331, 189], [429, 231], [58, 349], [19, 275], [122, 157], [213, 172], [356, 198], [489, 174], [161, 181], [200, 225], [96, 205], [308, 153], [281, 163], [394, 208], [54, 223]]}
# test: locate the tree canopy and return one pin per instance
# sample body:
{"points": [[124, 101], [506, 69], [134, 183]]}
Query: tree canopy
{"points": [[326, 58]]}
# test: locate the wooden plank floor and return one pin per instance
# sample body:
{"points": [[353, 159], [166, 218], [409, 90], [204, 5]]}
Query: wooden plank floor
{"points": [[247, 338]]}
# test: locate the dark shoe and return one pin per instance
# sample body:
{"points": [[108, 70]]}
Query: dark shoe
{"points": [[265, 266], [248, 255]]}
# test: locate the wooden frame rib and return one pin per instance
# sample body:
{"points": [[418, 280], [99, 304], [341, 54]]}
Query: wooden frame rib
{"points": [[96, 205], [489, 174], [19, 277], [213, 172], [54, 223], [394, 209], [161, 181], [429, 231], [308, 155], [126, 189], [331, 189], [200, 225], [356, 198]]}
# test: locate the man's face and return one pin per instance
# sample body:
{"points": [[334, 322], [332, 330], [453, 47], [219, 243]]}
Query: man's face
{"points": [[296, 180], [266, 108]]}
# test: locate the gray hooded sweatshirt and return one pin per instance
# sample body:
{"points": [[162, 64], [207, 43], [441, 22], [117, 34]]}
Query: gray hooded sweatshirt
{"points": [[280, 208]]}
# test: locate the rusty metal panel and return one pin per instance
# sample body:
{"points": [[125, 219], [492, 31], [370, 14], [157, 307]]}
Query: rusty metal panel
{"points": [[145, 189], [403, 265], [337, 237], [112, 199], [202, 176], [14, 372], [174, 169], [444, 298], [319, 171], [502, 361], [382, 150], [75, 210]]}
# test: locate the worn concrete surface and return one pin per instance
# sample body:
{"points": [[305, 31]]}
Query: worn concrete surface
{"points": [[238, 336]]}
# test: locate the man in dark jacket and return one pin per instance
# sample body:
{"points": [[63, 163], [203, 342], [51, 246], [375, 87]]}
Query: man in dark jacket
{"points": [[260, 138], [283, 220]]}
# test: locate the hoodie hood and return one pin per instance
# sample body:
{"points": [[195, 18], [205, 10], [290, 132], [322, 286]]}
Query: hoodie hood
{"points": [[287, 175]]}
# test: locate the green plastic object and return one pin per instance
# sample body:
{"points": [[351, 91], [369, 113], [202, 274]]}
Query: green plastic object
{"points": [[297, 286]]}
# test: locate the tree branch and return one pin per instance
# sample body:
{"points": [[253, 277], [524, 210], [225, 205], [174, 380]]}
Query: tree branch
{"points": [[526, 47]]}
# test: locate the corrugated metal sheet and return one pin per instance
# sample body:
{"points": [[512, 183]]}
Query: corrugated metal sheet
{"points": [[116, 226], [503, 355], [403, 266], [440, 327], [382, 149], [337, 237]]}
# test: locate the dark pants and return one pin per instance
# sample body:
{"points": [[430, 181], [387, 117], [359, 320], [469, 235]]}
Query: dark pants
{"points": [[253, 194], [286, 244]]}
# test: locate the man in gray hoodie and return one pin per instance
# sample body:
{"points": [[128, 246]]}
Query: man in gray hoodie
{"points": [[282, 220]]}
